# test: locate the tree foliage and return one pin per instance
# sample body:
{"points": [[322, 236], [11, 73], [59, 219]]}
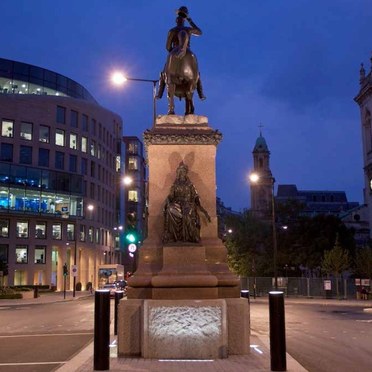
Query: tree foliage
{"points": [[363, 262], [336, 260]]}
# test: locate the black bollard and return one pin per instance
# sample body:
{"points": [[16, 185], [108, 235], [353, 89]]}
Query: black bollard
{"points": [[118, 296], [102, 330], [36, 295], [245, 294], [277, 331]]}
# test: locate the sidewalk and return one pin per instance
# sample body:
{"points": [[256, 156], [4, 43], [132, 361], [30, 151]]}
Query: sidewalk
{"points": [[46, 297]]}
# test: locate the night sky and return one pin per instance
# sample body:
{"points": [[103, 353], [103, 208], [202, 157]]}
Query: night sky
{"points": [[292, 65]]}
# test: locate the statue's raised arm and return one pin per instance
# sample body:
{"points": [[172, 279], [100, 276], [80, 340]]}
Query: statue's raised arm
{"points": [[181, 74]]}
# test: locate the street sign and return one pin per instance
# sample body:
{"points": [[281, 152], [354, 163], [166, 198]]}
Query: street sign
{"points": [[365, 282], [74, 270], [357, 282], [327, 285], [132, 247]]}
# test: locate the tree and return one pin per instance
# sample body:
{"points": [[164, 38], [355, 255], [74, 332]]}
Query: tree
{"points": [[247, 244], [335, 261], [363, 262]]}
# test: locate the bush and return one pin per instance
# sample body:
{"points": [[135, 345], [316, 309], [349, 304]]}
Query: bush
{"points": [[9, 293]]}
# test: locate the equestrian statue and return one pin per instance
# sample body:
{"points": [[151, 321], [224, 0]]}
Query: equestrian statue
{"points": [[181, 74]]}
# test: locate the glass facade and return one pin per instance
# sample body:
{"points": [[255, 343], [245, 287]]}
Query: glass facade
{"points": [[33, 190], [21, 78]]}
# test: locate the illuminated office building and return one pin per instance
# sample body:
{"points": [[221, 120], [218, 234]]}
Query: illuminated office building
{"points": [[60, 162]]}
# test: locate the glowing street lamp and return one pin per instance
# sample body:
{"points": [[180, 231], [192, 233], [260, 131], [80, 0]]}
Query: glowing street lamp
{"points": [[118, 78], [255, 178]]}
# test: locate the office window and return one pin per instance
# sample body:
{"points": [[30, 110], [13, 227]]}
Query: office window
{"points": [[132, 163], [60, 137], [73, 141], [93, 127], [44, 134], [73, 163], [57, 231], [40, 230], [7, 128], [90, 234], [82, 233], [25, 154], [60, 160], [84, 166], [26, 131], [70, 231], [4, 228], [84, 122], [92, 189], [6, 152], [133, 148], [40, 252], [22, 229], [22, 254], [74, 119], [84, 144], [93, 148], [4, 249], [92, 169], [133, 195], [61, 115], [43, 157]]}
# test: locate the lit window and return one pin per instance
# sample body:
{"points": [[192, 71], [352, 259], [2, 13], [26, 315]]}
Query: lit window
{"points": [[22, 229], [21, 254], [70, 231], [4, 229], [26, 131], [57, 231], [44, 134], [73, 141], [93, 148], [7, 128], [40, 254], [40, 230], [133, 196], [132, 163], [84, 144], [60, 137], [132, 148]]}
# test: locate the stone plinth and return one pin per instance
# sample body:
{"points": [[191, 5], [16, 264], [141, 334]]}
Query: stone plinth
{"points": [[185, 329], [164, 329]]}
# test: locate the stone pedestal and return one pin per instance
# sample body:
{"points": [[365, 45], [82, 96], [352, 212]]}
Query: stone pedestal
{"points": [[183, 272]]}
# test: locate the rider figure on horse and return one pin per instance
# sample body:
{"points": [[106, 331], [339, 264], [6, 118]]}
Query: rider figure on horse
{"points": [[178, 45]]}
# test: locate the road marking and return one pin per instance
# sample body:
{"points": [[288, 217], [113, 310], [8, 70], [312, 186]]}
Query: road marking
{"points": [[5, 308], [30, 363], [48, 334], [364, 321]]}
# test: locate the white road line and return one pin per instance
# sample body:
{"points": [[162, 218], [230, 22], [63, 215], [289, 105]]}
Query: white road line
{"points": [[48, 335], [30, 363]]}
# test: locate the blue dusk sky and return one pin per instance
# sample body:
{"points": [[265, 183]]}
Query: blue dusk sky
{"points": [[292, 65]]}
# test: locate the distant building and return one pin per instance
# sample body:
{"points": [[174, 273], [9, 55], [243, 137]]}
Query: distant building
{"points": [[262, 190], [364, 100], [135, 195], [316, 202], [222, 213]]}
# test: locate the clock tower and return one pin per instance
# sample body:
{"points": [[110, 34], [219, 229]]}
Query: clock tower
{"points": [[364, 100], [262, 190]]}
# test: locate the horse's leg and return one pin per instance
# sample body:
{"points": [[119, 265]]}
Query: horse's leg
{"points": [[189, 104], [171, 88]]}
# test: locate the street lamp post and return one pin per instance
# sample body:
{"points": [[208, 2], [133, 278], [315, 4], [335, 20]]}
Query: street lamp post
{"points": [[255, 178], [118, 79]]}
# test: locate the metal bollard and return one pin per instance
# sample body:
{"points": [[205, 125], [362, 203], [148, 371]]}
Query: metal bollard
{"points": [[36, 294], [245, 294], [118, 296], [277, 331], [102, 330]]}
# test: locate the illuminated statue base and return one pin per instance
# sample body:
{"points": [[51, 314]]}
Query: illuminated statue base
{"points": [[171, 278]]}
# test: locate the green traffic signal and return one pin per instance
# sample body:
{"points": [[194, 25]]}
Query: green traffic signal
{"points": [[131, 237]]}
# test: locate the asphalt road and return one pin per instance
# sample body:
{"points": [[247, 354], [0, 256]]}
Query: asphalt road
{"points": [[323, 337], [42, 337]]}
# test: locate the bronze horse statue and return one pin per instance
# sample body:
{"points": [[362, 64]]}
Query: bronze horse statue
{"points": [[181, 73]]}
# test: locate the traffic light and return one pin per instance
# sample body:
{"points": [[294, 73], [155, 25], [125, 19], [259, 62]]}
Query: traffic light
{"points": [[131, 237], [65, 269]]}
